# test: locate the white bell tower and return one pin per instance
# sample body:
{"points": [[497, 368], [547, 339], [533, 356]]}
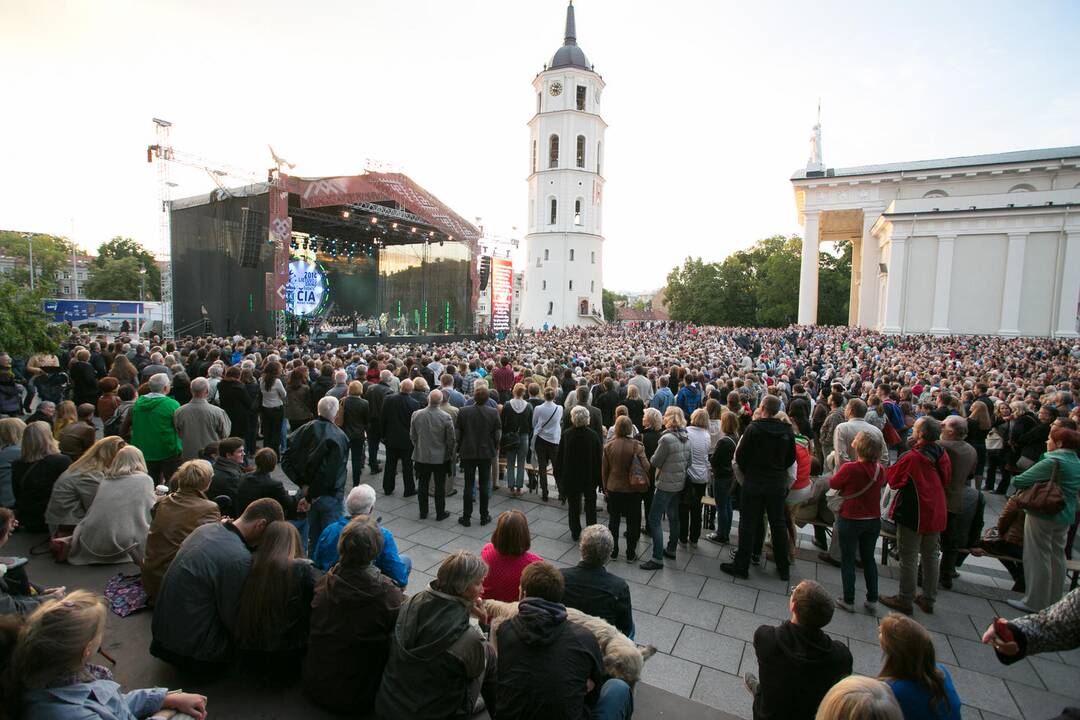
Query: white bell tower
{"points": [[564, 244]]}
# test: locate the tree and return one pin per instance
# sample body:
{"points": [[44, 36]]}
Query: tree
{"points": [[693, 293], [119, 248], [610, 297], [115, 279], [834, 285], [26, 328], [777, 261], [51, 254]]}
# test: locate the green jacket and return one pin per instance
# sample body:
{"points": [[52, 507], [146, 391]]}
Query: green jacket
{"points": [[1068, 477], [152, 429]]}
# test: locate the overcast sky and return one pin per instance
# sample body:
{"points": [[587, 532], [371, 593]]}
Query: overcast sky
{"points": [[709, 104]]}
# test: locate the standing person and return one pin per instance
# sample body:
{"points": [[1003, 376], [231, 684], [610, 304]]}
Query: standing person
{"points": [[663, 398], [318, 455], [698, 476], [547, 434], [643, 385], [353, 418], [963, 459], [859, 521], [431, 432], [653, 421], [199, 423], [503, 380], [478, 434], [923, 687], [34, 474], [765, 452], [580, 455], [234, 401], [153, 430], [623, 495], [397, 411], [299, 399], [252, 388], [272, 405], [195, 613], [376, 394], [997, 450], [84, 381], [517, 417], [919, 511], [979, 424], [1044, 535], [723, 476], [670, 463]]}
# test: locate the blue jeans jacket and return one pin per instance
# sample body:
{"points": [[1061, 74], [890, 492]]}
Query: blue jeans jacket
{"points": [[100, 698], [389, 562]]}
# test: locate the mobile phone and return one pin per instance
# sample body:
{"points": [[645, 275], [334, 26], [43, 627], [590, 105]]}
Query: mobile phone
{"points": [[1001, 629]]}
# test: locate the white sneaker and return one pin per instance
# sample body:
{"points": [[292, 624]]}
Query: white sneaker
{"points": [[871, 606], [844, 605]]}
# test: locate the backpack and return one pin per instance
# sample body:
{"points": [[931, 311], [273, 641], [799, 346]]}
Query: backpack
{"points": [[112, 426], [51, 386], [10, 399]]}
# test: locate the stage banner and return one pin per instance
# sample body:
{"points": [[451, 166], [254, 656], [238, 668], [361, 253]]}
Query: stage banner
{"points": [[502, 294], [280, 230]]}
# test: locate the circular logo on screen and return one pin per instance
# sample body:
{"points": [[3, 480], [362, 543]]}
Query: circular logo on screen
{"points": [[307, 288]]}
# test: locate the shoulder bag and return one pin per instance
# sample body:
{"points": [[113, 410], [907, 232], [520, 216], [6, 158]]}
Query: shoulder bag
{"points": [[639, 479], [834, 500], [1044, 498]]}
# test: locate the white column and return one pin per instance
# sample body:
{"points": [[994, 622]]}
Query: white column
{"points": [[894, 294], [939, 324], [1070, 288], [1014, 278], [868, 267], [808, 276]]}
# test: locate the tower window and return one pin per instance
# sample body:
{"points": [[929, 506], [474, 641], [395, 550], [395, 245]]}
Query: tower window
{"points": [[581, 151], [593, 257], [571, 254], [547, 256], [577, 213], [538, 96], [534, 156], [581, 90], [592, 286], [553, 151], [551, 307], [571, 284], [538, 261], [598, 157], [554, 215], [543, 284]]}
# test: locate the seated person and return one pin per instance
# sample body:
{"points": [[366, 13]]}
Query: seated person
{"points": [[1006, 538], [922, 686], [174, 518], [50, 665], [195, 612], [228, 470], [798, 662], [260, 484], [275, 606], [352, 618], [594, 591], [361, 501], [859, 697], [438, 659], [18, 596], [548, 667], [76, 438], [507, 555], [75, 490]]}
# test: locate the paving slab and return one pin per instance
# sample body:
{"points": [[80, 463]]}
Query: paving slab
{"points": [[671, 673], [699, 613], [656, 631], [724, 692], [719, 652], [725, 592]]}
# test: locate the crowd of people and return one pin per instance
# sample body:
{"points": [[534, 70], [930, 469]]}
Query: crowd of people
{"points": [[165, 454]]}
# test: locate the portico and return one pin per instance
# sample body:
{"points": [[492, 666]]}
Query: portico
{"points": [[988, 244]]}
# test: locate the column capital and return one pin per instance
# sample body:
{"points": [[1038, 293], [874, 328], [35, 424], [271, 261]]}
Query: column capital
{"points": [[899, 239], [811, 214], [948, 237], [1019, 235]]}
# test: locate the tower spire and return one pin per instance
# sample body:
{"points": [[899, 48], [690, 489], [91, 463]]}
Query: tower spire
{"points": [[571, 31]]}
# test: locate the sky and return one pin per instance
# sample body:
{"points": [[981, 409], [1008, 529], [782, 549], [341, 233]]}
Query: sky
{"points": [[709, 104]]}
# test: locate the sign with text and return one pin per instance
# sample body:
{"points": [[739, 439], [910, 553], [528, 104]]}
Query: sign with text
{"points": [[307, 288], [502, 294]]}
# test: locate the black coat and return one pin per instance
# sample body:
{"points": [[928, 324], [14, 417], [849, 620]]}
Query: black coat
{"points": [[255, 486], [765, 452], [478, 432], [235, 400], [355, 417], [32, 483], [397, 412], [796, 667], [83, 382], [594, 591], [580, 458], [227, 475], [376, 395]]}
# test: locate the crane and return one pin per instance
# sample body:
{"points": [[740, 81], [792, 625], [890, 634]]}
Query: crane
{"points": [[164, 154]]}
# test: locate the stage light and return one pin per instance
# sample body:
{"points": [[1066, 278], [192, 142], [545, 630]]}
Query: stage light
{"points": [[344, 213], [374, 220], [431, 234], [451, 238], [394, 226], [414, 229]]}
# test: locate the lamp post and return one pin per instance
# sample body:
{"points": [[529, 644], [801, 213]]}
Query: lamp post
{"points": [[30, 244], [138, 305]]}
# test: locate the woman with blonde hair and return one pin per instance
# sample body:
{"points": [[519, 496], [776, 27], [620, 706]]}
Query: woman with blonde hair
{"points": [[922, 686], [75, 490], [698, 475], [857, 697], [174, 518], [723, 476], [66, 414], [115, 527], [53, 678], [671, 461], [34, 474], [11, 435]]}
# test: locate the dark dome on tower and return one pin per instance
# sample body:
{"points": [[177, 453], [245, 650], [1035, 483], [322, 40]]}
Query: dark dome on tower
{"points": [[570, 55]]}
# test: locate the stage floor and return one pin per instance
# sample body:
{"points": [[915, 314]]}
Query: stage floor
{"points": [[338, 339]]}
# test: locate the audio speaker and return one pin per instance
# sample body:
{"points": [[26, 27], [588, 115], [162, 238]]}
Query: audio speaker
{"points": [[252, 237]]}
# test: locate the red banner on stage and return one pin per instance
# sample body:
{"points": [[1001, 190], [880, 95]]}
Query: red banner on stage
{"points": [[502, 294]]}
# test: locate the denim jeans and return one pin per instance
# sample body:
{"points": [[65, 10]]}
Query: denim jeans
{"points": [[515, 462], [858, 536], [325, 510], [301, 526], [722, 495], [664, 503], [615, 702]]}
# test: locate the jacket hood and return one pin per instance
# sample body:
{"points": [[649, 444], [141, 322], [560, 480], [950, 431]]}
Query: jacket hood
{"points": [[804, 646], [773, 427], [679, 433], [429, 623], [539, 622], [352, 585], [152, 403], [518, 404]]}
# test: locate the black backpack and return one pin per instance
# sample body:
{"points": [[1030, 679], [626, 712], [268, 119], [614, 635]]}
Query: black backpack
{"points": [[112, 426], [10, 398], [52, 386]]}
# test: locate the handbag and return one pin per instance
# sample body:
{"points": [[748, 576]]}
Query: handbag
{"points": [[1043, 498], [639, 479], [834, 500], [889, 433]]}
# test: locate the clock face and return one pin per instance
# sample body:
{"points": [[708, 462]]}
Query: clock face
{"points": [[556, 89]]}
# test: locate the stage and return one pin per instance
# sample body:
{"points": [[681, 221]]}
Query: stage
{"points": [[341, 339]]}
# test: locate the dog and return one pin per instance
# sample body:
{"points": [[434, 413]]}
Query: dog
{"points": [[623, 658]]}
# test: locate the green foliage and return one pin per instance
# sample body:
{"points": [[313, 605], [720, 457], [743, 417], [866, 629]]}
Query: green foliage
{"points": [[121, 248], [609, 300], [26, 328], [115, 279], [51, 253], [758, 286]]}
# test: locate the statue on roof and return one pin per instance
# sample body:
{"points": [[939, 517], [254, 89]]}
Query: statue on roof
{"points": [[814, 162]]}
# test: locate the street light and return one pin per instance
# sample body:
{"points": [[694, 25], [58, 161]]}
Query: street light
{"points": [[138, 305], [30, 242]]}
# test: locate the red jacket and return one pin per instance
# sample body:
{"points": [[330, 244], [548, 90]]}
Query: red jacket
{"points": [[920, 476]]}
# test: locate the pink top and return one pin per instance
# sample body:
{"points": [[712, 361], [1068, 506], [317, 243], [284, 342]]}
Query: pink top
{"points": [[504, 576]]}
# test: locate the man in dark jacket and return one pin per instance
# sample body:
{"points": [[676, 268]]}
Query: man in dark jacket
{"points": [[478, 433], [233, 398], [376, 394], [438, 660], [196, 608], [323, 383], [228, 471], [594, 591], [397, 410], [765, 454], [317, 461], [596, 418], [797, 661], [548, 667]]}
